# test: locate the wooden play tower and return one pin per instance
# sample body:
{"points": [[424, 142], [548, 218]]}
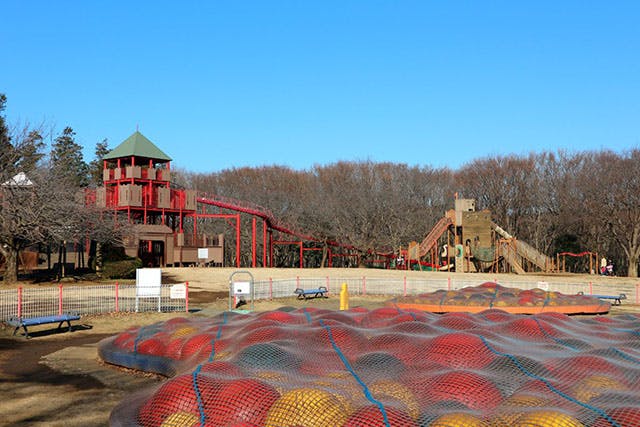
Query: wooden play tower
{"points": [[137, 182], [466, 240]]}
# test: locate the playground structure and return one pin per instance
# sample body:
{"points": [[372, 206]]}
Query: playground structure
{"points": [[586, 261], [479, 245], [170, 226], [167, 220]]}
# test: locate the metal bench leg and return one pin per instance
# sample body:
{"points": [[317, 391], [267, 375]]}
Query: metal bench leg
{"points": [[68, 324]]}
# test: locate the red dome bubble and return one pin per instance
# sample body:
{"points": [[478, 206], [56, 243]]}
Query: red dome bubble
{"points": [[459, 350]]}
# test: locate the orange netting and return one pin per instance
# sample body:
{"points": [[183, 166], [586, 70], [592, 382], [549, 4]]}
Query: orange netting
{"points": [[513, 300], [384, 367]]}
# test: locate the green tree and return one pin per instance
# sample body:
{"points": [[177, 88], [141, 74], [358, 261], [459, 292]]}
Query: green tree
{"points": [[96, 166], [31, 151], [67, 161], [6, 148]]}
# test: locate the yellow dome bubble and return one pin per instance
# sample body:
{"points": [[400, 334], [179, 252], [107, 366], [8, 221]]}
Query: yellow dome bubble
{"points": [[184, 331], [513, 408], [593, 386], [387, 391], [307, 407], [181, 419], [547, 418], [457, 419]]}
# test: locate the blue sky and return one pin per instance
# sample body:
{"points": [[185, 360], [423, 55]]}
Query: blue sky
{"points": [[223, 84]]}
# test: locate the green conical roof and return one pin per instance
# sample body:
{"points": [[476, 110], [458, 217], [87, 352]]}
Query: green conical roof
{"points": [[137, 145]]}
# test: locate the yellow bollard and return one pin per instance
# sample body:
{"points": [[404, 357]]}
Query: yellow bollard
{"points": [[344, 297]]}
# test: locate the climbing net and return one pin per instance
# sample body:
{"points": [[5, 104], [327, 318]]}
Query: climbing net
{"points": [[383, 367]]}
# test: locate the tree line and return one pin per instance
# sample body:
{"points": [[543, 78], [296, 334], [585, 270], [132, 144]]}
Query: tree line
{"points": [[41, 201], [556, 201]]}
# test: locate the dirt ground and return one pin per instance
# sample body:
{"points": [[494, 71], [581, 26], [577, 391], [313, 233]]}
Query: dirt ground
{"points": [[57, 379]]}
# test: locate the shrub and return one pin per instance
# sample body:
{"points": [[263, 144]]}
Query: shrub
{"points": [[123, 269]]}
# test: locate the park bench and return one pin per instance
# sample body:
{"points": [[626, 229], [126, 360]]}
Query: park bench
{"points": [[617, 299], [311, 293], [24, 322]]}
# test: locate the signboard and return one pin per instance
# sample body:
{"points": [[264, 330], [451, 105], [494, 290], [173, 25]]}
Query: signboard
{"points": [[148, 285], [203, 253], [178, 291], [241, 292], [241, 288], [148, 282]]}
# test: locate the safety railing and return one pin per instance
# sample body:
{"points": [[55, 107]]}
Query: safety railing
{"points": [[98, 299], [85, 300], [281, 288]]}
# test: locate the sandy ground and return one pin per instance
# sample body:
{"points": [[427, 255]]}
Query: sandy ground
{"points": [[57, 379]]}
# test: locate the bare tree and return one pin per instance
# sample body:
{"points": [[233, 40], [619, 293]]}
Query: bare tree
{"points": [[503, 184], [609, 184], [555, 201], [33, 210]]}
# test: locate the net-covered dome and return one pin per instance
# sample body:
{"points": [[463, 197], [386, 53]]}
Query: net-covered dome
{"points": [[492, 295], [384, 367]]}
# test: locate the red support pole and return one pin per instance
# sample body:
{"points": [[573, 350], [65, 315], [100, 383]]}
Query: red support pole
{"points": [[238, 240], [264, 242], [253, 242], [19, 301], [186, 301], [271, 249], [60, 298], [117, 297]]}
